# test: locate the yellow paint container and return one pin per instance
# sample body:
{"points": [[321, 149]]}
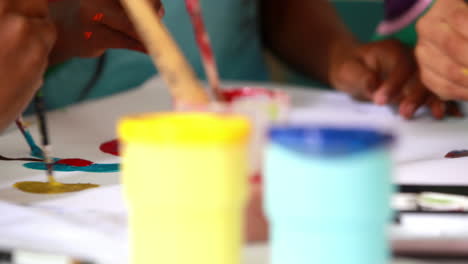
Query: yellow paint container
{"points": [[185, 180]]}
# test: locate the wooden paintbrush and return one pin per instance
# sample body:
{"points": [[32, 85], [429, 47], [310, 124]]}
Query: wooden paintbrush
{"points": [[46, 147], [174, 68]]}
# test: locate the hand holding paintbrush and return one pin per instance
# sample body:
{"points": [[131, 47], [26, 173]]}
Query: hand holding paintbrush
{"points": [[27, 35], [51, 186]]}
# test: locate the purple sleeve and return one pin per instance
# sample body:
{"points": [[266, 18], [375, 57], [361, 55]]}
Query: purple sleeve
{"points": [[400, 14], [395, 8]]}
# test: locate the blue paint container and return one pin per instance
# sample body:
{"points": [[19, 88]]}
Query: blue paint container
{"points": [[327, 195]]}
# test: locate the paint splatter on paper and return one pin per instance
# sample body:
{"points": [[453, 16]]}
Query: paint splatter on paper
{"points": [[94, 167], [52, 187], [19, 159], [457, 154], [75, 162], [110, 147], [75, 165], [36, 162]]}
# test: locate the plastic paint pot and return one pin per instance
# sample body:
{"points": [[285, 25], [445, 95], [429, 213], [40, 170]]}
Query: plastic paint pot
{"points": [[327, 195], [184, 177]]}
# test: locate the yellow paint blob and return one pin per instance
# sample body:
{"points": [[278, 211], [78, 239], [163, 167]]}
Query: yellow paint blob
{"points": [[465, 71], [52, 187]]}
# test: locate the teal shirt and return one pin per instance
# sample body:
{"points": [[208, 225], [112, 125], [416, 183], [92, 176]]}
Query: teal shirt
{"points": [[234, 30]]}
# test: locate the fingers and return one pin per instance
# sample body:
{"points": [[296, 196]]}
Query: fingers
{"points": [[459, 19], [416, 95], [441, 51], [392, 85], [444, 40], [26, 43], [437, 107], [356, 79], [29, 39], [446, 78], [396, 64], [48, 32], [441, 86]]}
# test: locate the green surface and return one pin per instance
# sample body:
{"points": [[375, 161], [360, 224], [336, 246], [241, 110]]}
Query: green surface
{"points": [[361, 17]]}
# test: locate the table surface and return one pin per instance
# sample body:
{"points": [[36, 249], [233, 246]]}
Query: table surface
{"points": [[258, 254], [78, 131]]}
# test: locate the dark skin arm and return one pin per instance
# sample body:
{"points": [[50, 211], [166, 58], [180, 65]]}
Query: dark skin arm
{"points": [[27, 36], [114, 31], [310, 37], [289, 28]]}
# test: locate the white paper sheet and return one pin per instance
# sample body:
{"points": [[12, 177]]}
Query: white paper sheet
{"points": [[89, 234], [78, 131], [421, 143]]}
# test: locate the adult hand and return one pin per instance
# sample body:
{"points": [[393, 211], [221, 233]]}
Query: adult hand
{"points": [[442, 49], [384, 72], [27, 36], [86, 28]]}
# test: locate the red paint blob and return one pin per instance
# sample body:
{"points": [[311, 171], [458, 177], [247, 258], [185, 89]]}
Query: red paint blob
{"points": [[457, 154], [110, 147], [256, 179], [75, 162], [233, 94]]}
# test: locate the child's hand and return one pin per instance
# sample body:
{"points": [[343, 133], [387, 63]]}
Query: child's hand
{"points": [[442, 49], [88, 27], [414, 94], [384, 72], [375, 71], [27, 36]]}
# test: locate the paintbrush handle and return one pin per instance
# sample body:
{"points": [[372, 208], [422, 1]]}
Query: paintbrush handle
{"points": [[204, 47], [40, 109], [46, 147], [172, 65]]}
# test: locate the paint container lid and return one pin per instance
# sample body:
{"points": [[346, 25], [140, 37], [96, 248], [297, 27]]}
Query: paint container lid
{"points": [[185, 128], [328, 141]]}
